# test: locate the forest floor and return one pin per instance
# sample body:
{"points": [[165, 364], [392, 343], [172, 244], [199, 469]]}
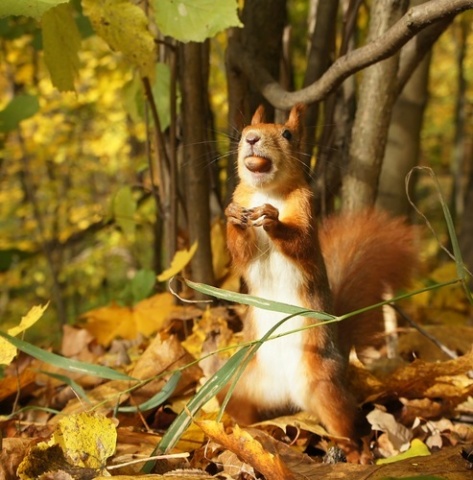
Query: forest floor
{"points": [[73, 420]]}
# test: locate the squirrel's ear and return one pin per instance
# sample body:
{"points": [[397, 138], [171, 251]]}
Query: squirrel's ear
{"points": [[296, 117], [258, 116]]}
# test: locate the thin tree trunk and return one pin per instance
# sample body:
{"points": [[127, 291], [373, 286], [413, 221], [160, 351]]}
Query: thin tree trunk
{"points": [[339, 114], [459, 158], [377, 96], [463, 155], [262, 39], [320, 56], [193, 76], [403, 144]]}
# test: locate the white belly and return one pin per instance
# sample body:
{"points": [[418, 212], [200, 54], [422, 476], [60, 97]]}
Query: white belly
{"points": [[273, 276]]}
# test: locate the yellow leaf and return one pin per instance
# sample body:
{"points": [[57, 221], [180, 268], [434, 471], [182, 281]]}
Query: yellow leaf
{"points": [[124, 27], [220, 256], [180, 260], [7, 350], [114, 321], [87, 439], [79, 446]]}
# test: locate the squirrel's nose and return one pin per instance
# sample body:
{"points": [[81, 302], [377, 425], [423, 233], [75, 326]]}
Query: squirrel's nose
{"points": [[252, 138]]}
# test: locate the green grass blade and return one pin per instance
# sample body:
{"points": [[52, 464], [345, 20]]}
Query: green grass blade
{"points": [[67, 364], [68, 381], [157, 399], [461, 270], [258, 302]]}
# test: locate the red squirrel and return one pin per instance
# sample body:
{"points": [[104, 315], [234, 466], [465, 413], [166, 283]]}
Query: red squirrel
{"points": [[345, 263]]}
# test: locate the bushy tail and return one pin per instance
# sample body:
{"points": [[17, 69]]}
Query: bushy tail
{"points": [[367, 255]]}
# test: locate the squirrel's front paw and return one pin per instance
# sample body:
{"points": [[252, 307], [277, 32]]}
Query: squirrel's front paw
{"points": [[265, 216], [237, 215]]}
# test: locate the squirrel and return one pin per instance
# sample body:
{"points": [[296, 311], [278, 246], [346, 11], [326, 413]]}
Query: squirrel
{"points": [[346, 263]]}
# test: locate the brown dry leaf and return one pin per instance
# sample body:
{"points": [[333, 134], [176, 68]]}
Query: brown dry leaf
{"points": [[399, 435], [25, 382], [247, 448], [11, 454], [233, 466], [456, 338], [104, 397], [300, 420], [114, 321], [75, 341], [165, 353], [420, 408], [447, 380], [179, 475]]}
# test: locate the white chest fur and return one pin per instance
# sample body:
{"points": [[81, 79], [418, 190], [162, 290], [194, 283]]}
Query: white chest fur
{"points": [[273, 276]]}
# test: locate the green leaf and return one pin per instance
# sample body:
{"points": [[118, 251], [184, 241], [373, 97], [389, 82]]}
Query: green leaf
{"points": [[28, 8], [68, 364], [124, 208], [195, 20], [61, 43], [258, 302], [161, 92], [142, 284], [20, 107], [157, 399]]}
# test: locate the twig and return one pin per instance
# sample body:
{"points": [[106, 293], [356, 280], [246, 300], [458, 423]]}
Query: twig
{"points": [[156, 457], [423, 331]]}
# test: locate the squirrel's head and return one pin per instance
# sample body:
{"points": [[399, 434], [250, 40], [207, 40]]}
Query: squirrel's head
{"points": [[269, 153]]}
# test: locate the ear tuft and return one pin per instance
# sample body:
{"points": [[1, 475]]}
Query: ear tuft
{"points": [[296, 118], [258, 116]]}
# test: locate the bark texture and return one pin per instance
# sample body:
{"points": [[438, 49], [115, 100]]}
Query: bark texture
{"points": [[376, 100], [194, 61], [403, 143]]}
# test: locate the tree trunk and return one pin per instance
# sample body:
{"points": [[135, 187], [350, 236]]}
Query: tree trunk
{"points": [[262, 39], [377, 96], [462, 163], [339, 114], [402, 149], [196, 168], [465, 238], [320, 56]]}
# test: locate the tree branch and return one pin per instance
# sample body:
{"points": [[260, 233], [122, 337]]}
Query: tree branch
{"points": [[415, 20]]}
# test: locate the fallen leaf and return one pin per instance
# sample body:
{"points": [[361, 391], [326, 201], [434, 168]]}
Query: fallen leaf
{"points": [[115, 321], [87, 439], [180, 260], [247, 448], [398, 434], [164, 354], [417, 449]]}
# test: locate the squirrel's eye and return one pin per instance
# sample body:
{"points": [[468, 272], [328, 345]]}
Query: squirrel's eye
{"points": [[287, 134]]}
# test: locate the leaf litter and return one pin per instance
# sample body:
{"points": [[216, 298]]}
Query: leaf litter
{"points": [[421, 411]]}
